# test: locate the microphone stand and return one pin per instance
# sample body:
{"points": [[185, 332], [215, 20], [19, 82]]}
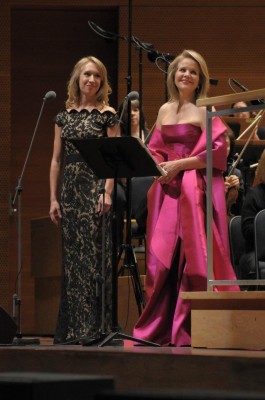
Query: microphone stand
{"points": [[17, 295], [129, 257], [141, 46], [129, 260]]}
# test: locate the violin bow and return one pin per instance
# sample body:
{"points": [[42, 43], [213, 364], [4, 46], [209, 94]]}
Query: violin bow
{"points": [[253, 125]]}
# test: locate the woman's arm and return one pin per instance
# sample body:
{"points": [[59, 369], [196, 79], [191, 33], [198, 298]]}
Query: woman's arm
{"points": [[174, 167], [112, 131], [55, 170]]}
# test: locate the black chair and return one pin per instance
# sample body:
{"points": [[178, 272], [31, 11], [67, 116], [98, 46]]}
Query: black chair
{"points": [[261, 132], [259, 234], [237, 243]]}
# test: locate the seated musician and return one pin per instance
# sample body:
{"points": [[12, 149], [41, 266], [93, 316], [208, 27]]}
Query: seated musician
{"points": [[234, 182], [253, 203], [260, 131], [241, 114]]}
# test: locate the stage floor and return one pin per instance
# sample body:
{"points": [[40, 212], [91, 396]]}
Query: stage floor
{"points": [[143, 367]]}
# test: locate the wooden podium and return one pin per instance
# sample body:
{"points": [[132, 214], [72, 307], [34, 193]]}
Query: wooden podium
{"points": [[225, 320]]}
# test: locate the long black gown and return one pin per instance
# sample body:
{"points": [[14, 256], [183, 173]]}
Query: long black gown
{"points": [[80, 304]]}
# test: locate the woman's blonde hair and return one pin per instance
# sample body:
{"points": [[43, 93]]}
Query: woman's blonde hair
{"points": [[260, 171], [204, 80], [73, 90]]}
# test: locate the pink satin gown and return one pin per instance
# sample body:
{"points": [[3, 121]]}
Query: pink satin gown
{"points": [[176, 234]]}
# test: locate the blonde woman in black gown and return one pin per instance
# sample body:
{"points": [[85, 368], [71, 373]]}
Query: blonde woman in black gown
{"points": [[78, 203]]}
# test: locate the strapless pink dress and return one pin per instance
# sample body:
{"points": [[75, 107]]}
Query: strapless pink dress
{"points": [[176, 234]]}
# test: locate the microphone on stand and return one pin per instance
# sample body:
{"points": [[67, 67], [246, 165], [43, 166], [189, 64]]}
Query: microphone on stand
{"points": [[49, 95], [245, 89], [17, 296], [239, 85], [153, 55], [130, 96]]}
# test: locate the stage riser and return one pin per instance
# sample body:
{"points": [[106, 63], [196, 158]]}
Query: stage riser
{"points": [[226, 329], [145, 368], [227, 320], [52, 386]]}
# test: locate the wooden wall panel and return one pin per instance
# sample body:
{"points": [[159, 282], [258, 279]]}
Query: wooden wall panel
{"points": [[4, 155]]}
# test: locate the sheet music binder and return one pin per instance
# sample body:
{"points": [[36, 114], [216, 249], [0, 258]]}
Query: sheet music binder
{"points": [[120, 157]]}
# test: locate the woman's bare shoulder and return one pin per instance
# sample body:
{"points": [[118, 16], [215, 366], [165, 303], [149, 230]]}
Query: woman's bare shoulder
{"points": [[108, 108], [164, 108]]}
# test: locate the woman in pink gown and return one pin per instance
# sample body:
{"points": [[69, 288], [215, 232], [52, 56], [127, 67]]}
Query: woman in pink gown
{"points": [[176, 224]]}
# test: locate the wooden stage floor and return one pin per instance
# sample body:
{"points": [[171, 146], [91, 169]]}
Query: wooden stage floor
{"points": [[144, 367]]}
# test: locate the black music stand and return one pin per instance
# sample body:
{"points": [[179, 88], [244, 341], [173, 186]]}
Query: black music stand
{"points": [[118, 157]]}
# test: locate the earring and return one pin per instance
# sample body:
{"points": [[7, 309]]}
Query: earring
{"points": [[197, 91]]}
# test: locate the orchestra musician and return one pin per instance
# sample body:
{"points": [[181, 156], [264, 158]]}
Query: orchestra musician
{"points": [[253, 203], [234, 182], [260, 131], [248, 143]]}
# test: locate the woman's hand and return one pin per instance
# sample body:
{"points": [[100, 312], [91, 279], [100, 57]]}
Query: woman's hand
{"points": [[231, 181], [172, 168], [107, 204], [55, 212]]}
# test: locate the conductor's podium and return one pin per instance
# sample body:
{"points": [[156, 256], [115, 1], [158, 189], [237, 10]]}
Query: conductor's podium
{"points": [[46, 272], [227, 320], [230, 320]]}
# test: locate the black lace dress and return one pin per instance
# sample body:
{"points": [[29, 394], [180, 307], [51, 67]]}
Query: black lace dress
{"points": [[82, 253]]}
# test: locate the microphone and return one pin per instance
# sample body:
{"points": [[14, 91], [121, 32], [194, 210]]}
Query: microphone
{"points": [[131, 96], [245, 89], [239, 85], [49, 95], [152, 56]]}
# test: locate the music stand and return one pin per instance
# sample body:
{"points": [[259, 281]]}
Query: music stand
{"points": [[118, 157]]}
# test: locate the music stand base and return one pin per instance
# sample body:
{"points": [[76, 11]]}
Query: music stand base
{"points": [[107, 338], [19, 341], [100, 339]]}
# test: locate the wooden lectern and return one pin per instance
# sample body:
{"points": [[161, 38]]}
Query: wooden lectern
{"points": [[228, 320]]}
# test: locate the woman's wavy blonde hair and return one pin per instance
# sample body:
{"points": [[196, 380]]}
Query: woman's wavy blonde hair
{"points": [[204, 80], [260, 171], [73, 90]]}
